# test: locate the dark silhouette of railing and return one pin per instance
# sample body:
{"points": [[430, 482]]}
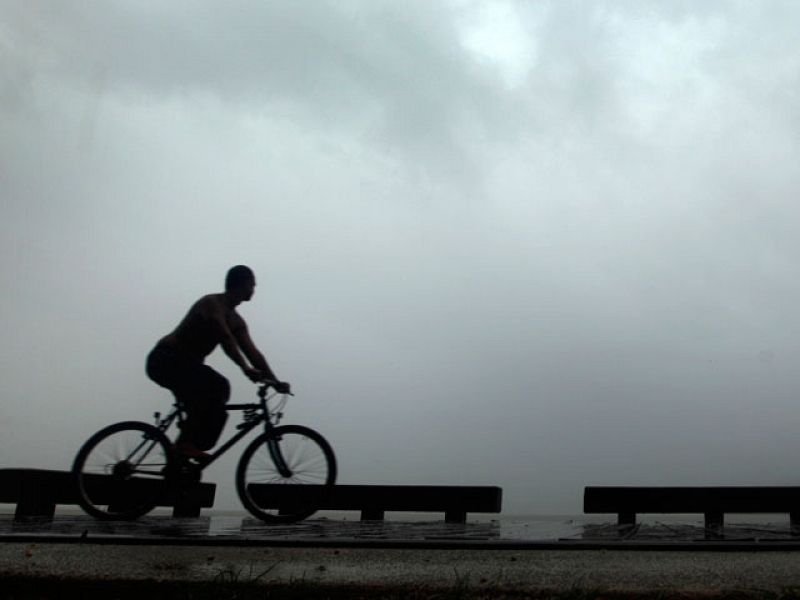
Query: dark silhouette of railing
{"points": [[37, 492], [373, 501], [712, 502]]}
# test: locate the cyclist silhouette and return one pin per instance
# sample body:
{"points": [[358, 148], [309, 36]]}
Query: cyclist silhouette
{"points": [[177, 362]]}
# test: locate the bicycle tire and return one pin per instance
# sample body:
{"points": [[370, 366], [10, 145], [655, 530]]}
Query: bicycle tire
{"points": [[309, 456], [120, 472]]}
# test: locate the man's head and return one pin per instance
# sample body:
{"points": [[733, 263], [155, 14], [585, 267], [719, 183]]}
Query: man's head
{"points": [[240, 282]]}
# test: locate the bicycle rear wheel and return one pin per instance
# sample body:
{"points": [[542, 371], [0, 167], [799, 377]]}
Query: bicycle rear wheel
{"points": [[120, 472], [291, 455]]}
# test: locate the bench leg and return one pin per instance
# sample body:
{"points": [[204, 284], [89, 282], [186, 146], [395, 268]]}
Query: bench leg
{"points": [[715, 524], [372, 514], [34, 507], [455, 516], [120, 506], [626, 519], [794, 522], [186, 511]]}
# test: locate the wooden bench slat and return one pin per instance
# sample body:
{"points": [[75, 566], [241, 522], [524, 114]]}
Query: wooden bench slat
{"points": [[711, 502], [725, 499], [37, 492], [374, 500]]}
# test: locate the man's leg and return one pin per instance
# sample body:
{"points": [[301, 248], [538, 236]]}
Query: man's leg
{"points": [[199, 389], [205, 408]]}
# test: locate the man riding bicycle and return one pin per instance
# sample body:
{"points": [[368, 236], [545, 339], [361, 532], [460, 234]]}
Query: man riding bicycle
{"points": [[177, 362]]}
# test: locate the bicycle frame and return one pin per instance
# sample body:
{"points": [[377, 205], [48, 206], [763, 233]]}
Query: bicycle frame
{"points": [[255, 415]]}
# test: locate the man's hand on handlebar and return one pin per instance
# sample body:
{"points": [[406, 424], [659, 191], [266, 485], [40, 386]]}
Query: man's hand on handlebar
{"points": [[282, 387], [256, 376]]}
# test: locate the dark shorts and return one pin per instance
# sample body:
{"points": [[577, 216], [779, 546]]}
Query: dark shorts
{"points": [[200, 389]]}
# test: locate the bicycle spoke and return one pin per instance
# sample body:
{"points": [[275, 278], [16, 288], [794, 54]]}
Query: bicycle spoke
{"points": [[118, 469], [295, 456]]}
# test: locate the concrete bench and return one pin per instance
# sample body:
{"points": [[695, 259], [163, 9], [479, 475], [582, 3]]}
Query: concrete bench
{"points": [[374, 500], [37, 492], [712, 502]]}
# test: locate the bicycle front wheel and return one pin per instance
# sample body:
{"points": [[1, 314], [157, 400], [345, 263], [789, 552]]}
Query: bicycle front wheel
{"points": [[291, 455], [120, 472]]}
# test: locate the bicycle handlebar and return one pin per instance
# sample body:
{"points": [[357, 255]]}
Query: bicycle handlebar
{"points": [[265, 384]]}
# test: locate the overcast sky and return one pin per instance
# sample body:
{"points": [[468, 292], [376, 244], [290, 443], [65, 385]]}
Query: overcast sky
{"points": [[538, 245]]}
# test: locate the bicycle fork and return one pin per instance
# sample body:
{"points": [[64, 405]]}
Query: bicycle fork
{"points": [[274, 447]]}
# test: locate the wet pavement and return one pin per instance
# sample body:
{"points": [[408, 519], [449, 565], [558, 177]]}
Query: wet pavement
{"points": [[425, 531], [421, 552], [577, 556]]}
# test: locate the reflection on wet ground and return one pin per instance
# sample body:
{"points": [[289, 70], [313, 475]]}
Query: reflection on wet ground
{"points": [[233, 529], [244, 528], [690, 532]]}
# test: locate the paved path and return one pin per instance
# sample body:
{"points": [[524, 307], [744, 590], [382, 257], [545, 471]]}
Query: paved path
{"points": [[334, 554], [531, 533], [526, 570]]}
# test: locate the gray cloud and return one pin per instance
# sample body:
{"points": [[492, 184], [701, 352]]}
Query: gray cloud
{"points": [[393, 77], [581, 272]]}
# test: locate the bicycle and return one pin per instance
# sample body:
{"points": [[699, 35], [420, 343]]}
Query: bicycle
{"points": [[137, 462]]}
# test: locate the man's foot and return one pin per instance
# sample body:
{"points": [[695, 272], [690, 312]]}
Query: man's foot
{"points": [[184, 470], [190, 451]]}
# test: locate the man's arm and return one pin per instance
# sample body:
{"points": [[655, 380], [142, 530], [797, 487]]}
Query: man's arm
{"points": [[216, 312], [231, 348], [253, 354]]}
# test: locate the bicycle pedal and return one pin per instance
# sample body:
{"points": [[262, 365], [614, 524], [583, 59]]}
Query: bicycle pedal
{"points": [[184, 470], [191, 478], [188, 477]]}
